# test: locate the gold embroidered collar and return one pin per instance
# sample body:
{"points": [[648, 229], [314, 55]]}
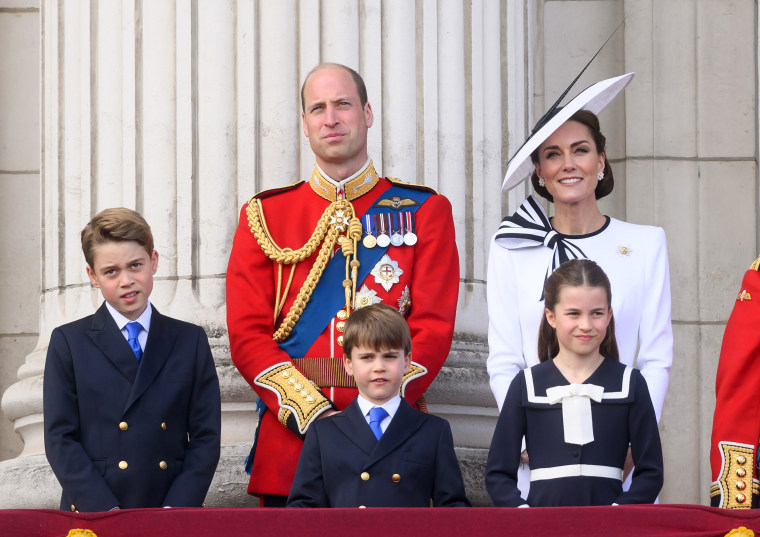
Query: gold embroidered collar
{"points": [[350, 189]]}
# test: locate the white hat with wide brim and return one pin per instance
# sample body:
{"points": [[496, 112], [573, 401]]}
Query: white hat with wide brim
{"points": [[594, 98]]}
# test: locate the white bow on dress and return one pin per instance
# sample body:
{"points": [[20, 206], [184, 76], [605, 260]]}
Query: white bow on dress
{"points": [[576, 410]]}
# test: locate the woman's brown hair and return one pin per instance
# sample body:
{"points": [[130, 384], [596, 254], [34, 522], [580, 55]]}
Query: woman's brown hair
{"points": [[574, 273], [605, 186]]}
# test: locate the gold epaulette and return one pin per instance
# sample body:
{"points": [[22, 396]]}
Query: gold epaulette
{"points": [[755, 265], [295, 393], [272, 191], [415, 186], [737, 461]]}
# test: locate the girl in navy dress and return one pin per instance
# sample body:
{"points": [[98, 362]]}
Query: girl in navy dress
{"points": [[579, 409]]}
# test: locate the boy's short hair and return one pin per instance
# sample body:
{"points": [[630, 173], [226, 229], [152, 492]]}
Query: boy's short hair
{"points": [[378, 326], [118, 224]]}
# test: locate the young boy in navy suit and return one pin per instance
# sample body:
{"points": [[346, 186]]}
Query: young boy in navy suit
{"points": [[131, 397], [379, 451]]}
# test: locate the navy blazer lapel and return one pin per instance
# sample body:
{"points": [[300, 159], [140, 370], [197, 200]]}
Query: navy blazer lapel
{"points": [[108, 338], [352, 423], [157, 349], [404, 424]]}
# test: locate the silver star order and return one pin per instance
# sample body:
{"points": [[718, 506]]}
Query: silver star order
{"points": [[366, 297], [339, 221], [386, 272]]}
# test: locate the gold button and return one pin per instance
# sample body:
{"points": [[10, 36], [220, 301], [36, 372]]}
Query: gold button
{"points": [[286, 374], [162, 465], [304, 393], [340, 340], [310, 399], [123, 465], [365, 476], [291, 380], [73, 508], [342, 315], [298, 386], [362, 507], [741, 472], [741, 485], [740, 498], [163, 425], [396, 478], [123, 426], [340, 326], [741, 459]]}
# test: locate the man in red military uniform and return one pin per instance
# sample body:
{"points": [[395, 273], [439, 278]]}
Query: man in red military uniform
{"points": [[306, 255], [736, 423]]}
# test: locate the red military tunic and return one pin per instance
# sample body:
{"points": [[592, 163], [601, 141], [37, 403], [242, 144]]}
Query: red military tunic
{"points": [[429, 285], [736, 423]]}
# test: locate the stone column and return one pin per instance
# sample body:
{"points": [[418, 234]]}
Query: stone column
{"points": [[183, 110], [119, 129], [683, 142]]}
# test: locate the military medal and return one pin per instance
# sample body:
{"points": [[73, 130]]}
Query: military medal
{"points": [[383, 240], [369, 240], [386, 272], [396, 237], [410, 239]]}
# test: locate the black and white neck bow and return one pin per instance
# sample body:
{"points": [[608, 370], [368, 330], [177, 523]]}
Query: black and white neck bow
{"points": [[530, 227]]}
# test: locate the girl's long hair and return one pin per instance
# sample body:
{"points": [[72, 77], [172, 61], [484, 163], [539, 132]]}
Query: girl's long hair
{"points": [[574, 273]]}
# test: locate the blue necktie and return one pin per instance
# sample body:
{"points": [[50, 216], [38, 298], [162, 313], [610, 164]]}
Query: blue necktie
{"points": [[377, 415], [133, 330]]}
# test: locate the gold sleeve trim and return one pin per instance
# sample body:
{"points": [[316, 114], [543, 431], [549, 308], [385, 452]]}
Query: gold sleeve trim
{"points": [[737, 462], [283, 416], [755, 265], [415, 371], [295, 394]]}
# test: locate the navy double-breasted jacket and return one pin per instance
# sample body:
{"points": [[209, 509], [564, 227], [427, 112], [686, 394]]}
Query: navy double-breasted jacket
{"points": [[128, 433], [412, 465]]}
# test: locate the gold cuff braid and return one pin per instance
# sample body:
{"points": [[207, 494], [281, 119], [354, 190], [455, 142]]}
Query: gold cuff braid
{"points": [[295, 394], [735, 476], [415, 370]]}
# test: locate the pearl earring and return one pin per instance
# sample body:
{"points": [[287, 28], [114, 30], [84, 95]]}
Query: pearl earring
{"points": [[600, 175]]}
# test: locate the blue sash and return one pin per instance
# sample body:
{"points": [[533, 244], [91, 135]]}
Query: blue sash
{"points": [[325, 301]]}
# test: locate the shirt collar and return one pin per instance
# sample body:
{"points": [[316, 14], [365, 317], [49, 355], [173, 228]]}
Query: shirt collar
{"points": [[390, 406], [122, 321]]}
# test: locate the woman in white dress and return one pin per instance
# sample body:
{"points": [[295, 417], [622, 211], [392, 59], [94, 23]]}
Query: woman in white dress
{"points": [[570, 169]]}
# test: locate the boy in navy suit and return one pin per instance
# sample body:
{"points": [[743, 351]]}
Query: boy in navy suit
{"points": [[379, 451], [131, 397]]}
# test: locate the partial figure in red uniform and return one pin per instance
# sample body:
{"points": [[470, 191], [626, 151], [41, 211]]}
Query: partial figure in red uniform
{"points": [[736, 423], [306, 255]]}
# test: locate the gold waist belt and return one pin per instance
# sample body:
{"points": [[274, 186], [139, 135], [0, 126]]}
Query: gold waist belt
{"points": [[325, 372]]}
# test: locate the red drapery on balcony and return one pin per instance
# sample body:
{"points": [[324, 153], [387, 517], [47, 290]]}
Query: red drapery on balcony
{"points": [[659, 520]]}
